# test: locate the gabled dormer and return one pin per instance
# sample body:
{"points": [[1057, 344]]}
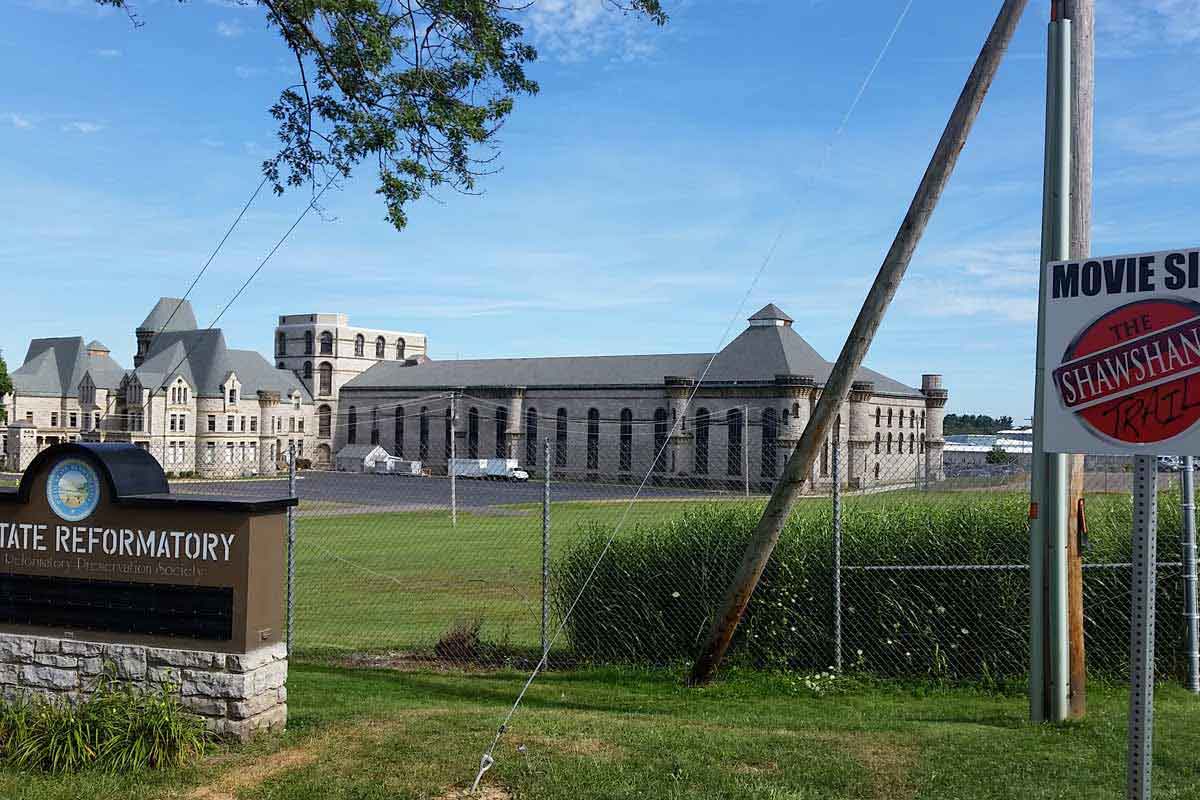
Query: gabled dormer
{"points": [[87, 392], [180, 392], [231, 388]]}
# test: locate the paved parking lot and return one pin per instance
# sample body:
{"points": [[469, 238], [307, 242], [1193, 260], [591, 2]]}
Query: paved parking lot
{"points": [[394, 492]]}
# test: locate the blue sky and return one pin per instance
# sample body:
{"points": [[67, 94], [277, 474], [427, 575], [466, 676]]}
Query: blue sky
{"points": [[641, 189]]}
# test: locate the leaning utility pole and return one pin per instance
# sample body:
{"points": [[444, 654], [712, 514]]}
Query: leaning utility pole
{"points": [[1082, 14], [887, 281]]}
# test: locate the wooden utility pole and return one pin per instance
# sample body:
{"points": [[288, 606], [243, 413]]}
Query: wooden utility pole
{"points": [[887, 281], [1082, 14]]}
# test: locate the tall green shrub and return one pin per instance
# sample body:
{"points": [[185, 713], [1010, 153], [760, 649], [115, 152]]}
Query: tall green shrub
{"points": [[659, 586]]}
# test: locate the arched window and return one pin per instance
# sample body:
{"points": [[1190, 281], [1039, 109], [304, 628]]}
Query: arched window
{"points": [[876, 442], [501, 432], [352, 426], [380, 347], [560, 438], [770, 433], [921, 446], [398, 434], [531, 435], [324, 420], [912, 444], [308, 370], [733, 435], [308, 343], [626, 449], [825, 459], [281, 343], [876, 470], [359, 345], [701, 455], [448, 439], [795, 410], [374, 426], [326, 378], [889, 418], [922, 419], [593, 439], [912, 418], [279, 365], [877, 412], [472, 432], [423, 433], [660, 439], [326, 343], [889, 443], [399, 349]]}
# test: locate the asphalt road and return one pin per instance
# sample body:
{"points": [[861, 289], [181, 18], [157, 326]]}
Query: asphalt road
{"points": [[395, 492]]}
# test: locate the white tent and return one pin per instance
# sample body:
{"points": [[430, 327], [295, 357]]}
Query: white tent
{"points": [[359, 457]]}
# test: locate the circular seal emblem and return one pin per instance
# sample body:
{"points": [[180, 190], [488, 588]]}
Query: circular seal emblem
{"points": [[73, 489], [1133, 375]]}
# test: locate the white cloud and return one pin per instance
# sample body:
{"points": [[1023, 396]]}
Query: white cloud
{"points": [[212, 142], [245, 72], [107, 52], [1124, 26], [19, 120], [230, 29], [1174, 134], [80, 126], [576, 30]]}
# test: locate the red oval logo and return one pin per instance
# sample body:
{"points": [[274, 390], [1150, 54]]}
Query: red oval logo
{"points": [[1133, 375]]}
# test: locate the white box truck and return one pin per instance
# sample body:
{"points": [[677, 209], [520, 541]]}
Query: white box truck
{"points": [[498, 468]]}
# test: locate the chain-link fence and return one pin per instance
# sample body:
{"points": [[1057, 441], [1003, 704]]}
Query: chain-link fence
{"points": [[437, 530]]}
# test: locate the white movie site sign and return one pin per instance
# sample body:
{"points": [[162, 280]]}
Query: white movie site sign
{"points": [[1122, 354]]}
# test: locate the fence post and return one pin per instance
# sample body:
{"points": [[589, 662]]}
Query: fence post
{"points": [[746, 447], [1188, 498], [291, 549], [546, 553], [837, 556], [453, 423]]}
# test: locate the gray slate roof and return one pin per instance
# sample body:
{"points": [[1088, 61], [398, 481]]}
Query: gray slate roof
{"points": [[55, 367], [170, 314], [757, 355], [202, 357], [771, 311]]}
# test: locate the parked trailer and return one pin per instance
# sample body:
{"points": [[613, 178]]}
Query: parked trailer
{"points": [[397, 466], [501, 468]]}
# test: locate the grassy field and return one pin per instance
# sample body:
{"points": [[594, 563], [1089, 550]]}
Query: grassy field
{"points": [[401, 580], [592, 735], [398, 581]]}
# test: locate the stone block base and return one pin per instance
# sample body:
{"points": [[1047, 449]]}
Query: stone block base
{"points": [[237, 694]]}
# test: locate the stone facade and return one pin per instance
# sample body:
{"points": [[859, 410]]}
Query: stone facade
{"points": [[325, 351], [197, 405], [237, 694], [610, 416]]}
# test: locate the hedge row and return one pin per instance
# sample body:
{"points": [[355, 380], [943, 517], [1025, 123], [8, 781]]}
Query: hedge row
{"points": [[657, 589]]}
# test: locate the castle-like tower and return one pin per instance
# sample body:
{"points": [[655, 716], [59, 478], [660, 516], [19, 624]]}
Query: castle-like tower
{"points": [[325, 351]]}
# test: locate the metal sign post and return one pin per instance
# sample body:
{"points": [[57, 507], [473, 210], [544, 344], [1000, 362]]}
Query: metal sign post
{"points": [[837, 556], [1141, 628]]}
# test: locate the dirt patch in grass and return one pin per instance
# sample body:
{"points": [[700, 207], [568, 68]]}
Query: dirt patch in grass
{"points": [[573, 745], [484, 793], [255, 773], [887, 758]]}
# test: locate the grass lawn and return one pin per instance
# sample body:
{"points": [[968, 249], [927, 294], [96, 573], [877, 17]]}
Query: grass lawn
{"points": [[588, 735], [400, 580]]}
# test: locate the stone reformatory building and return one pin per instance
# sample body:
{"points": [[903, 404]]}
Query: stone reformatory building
{"points": [[202, 407], [608, 416], [325, 351], [196, 404]]}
